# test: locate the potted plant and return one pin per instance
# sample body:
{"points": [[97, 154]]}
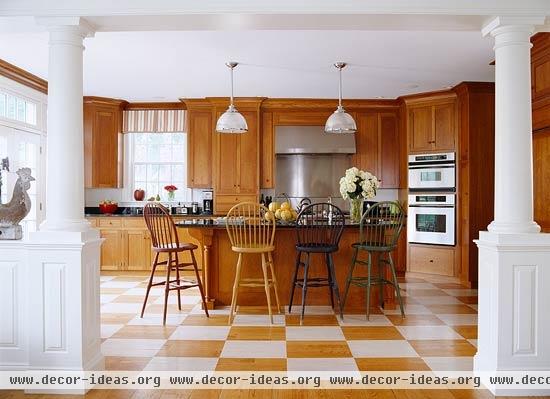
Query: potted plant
{"points": [[171, 189]]}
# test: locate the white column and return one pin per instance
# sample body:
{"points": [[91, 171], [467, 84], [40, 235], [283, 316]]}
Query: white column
{"points": [[514, 261], [65, 143], [513, 128], [64, 255]]}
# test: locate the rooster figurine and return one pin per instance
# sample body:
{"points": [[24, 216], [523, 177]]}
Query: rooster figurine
{"points": [[19, 207]]}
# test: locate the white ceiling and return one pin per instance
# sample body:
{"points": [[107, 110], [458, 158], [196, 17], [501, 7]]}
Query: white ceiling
{"points": [[167, 65]]}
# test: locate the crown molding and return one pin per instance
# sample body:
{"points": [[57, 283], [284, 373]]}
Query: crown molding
{"points": [[19, 75]]}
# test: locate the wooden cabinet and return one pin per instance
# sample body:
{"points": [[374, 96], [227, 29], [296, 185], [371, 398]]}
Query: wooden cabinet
{"points": [[112, 249], [127, 243], [200, 127], [267, 151], [138, 250], [432, 260], [377, 145], [432, 124], [103, 142], [236, 157], [540, 77]]}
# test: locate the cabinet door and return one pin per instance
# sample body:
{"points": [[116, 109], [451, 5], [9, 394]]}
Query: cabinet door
{"points": [[367, 154], [389, 152], [444, 124], [112, 249], [421, 129], [267, 153], [227, 163], [249, 168], [138, 247], [199, 149]]}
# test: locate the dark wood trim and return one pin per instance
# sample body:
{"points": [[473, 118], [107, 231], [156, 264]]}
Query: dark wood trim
{"points": [[105, 101], [475, 87], [152, 105], [19, 75], [300, 104], [428, 96]]}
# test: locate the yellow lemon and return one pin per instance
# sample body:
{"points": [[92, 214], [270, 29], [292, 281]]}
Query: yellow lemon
{"points": [[285, 205], [268, 216], [278, 213], [274, 206], [286, 215]]}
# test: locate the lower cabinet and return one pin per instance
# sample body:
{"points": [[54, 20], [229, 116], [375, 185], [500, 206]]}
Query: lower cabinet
{"points": [[127, 244], [431, 260], [112, 249]]}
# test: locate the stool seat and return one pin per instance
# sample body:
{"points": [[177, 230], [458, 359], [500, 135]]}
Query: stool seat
{"points": [[372, 246], [254, 249], [175, 247], [316, 248]]}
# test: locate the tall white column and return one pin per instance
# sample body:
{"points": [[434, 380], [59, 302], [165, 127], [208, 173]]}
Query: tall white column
{"points": [[513, 128], [63, 256], [65, 143], [514, 261]]}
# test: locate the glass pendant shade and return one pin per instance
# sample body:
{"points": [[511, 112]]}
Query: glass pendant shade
{"points": [[340, 121], [231, 120]]}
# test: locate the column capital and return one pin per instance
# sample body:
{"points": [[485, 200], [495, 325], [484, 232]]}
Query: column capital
{"points": [[75, 25], [503, 24]]}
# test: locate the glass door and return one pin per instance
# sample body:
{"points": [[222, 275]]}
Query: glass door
{"points": [[22, 149]]}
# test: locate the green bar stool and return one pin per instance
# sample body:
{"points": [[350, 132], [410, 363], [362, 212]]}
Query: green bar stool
{"points": [[379, 231]]}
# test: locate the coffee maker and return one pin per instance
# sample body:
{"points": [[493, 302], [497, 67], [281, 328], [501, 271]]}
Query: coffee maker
{"points": [[207, 203]]}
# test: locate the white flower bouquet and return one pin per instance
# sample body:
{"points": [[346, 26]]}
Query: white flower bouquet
{"points": [[358, 184]]}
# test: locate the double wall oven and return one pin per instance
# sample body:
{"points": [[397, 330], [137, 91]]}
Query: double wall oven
{"points": [[432, 199]]}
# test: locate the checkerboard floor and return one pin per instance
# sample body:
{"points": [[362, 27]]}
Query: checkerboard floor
{"points": [[438, 333]]}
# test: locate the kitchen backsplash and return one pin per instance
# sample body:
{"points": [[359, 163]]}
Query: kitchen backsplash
{"points": [[95, 195]]}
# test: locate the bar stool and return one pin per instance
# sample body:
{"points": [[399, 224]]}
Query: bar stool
{"points": [[252, 232], [319, 228], [164, 238], [379, 231]]}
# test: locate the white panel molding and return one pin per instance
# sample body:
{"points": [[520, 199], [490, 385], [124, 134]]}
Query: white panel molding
{"points": [[8, 304], [525, 309], [54, 298]]}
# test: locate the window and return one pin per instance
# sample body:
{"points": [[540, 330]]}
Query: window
{"points": [[23, 150], [17, 108], [159, 160]]}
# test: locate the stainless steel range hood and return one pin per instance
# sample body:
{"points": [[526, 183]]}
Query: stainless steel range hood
{"points": [[312, 140]]}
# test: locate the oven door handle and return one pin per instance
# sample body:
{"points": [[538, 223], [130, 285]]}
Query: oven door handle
{"points": [[431, 206], [432, 167]]}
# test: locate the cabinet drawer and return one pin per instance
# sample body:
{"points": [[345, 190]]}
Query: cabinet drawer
{"points": [[134, 223], [110, 222], [432, 260], [223, 203], [92, 221]]}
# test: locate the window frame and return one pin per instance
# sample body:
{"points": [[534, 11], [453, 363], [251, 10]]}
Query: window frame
{"points": [[129, 165]]}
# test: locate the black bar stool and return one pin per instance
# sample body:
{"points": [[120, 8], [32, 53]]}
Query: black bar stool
{"points": [[319, 228], [379, 231]]}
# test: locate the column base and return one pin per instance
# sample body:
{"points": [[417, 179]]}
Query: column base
{"points": [[64, 318], [513, 319], [502, 227]]}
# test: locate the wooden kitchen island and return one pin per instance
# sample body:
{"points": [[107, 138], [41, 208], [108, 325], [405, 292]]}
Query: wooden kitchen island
{"points": [[219, 264]]}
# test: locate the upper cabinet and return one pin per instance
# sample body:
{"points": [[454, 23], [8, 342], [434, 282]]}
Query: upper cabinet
{"points": [[200, 126], [540, 80], [236, 157], [103, 142], [432, 124], [377, 145]]}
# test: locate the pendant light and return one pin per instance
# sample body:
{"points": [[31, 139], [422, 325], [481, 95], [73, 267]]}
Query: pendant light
{"points": [[231, 120], [340, 121]]}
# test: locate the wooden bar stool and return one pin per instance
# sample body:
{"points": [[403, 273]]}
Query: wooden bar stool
{"points": [[379, 231], [252, 232], [319, 228], [164, 238]]}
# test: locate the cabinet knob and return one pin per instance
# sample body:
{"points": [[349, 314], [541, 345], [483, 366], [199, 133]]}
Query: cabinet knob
{"points": [[431, 261]]}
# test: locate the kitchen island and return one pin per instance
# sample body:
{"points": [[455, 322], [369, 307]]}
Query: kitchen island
{"points": [[219, 264]]}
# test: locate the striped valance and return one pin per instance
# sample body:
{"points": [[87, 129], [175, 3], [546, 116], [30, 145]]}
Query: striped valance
{"points": [[153, 121]]}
